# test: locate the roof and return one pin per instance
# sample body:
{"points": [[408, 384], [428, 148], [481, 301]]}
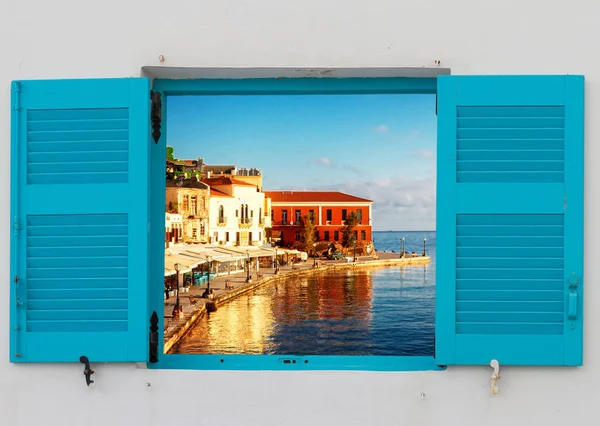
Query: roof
{"points": [[186, 183], [225, 181], [313, 197], [217, 193], [186, 163], [218, 168]]}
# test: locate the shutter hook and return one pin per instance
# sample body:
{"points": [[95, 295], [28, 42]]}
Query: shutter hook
{"points": [[495, 376], [87, 372]]}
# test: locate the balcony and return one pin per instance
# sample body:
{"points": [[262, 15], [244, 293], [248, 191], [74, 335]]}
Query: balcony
{"points": [[245, 222], [285, 223], [221, 221]]}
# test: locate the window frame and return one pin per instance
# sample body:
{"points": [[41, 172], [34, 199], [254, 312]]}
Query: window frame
{"points": [[263, 86]]}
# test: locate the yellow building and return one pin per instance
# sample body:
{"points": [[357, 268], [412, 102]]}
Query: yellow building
{"points": [[190, 198]]}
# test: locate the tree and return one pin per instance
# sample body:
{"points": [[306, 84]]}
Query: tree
{"points": [[348, 233], [307, 232], [170, 153]]}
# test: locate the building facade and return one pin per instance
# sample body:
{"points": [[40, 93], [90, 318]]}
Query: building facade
{"points": [[329, 209], [236, 212], [189, 198], [173, 229]]}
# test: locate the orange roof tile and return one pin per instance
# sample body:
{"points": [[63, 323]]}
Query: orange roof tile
{"points": [[217, 193], [313, 196], [225, 181]]}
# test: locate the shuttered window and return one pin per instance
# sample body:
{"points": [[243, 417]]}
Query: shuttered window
{"points": [[510, 220], [79, 206]]}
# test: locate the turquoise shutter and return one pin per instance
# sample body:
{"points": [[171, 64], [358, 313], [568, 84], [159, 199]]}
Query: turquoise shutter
{"points": [[79, 204], [510, 220]]}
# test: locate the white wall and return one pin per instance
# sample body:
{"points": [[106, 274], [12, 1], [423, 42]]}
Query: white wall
{"points": [[66, 38]]}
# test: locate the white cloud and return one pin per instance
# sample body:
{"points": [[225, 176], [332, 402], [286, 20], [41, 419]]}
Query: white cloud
{"points": [[399, 203], [382, 128], [423, 153], [323, 161]]}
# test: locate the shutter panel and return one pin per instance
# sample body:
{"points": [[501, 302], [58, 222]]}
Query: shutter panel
{"points": [[510, 220], [79, 195]]}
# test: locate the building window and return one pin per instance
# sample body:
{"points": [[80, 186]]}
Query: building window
{"points": [[298, 216], [355, 235], [221, 214], [260, 236], [186, 203], [226, 236], [344, 213], [326, 235], [193, 206], [237, 213], [311, 215], [272, 215], [249, 238], [363, 235], [329, 215], [251, 213], [336, 235], [194, 233], [297, 236], [202, 229], [316, 235], [284, 217], [215, 237], [359, 216]]}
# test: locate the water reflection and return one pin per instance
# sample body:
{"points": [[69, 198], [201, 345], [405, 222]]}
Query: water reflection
{"points": [[386, 311]]}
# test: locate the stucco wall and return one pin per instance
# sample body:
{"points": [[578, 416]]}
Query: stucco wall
{"points": [[65, 38]]}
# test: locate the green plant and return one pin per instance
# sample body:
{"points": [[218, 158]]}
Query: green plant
{"points": [[307, 233], [170, 153], [348, 235]]}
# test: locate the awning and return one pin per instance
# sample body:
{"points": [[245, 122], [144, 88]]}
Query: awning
{"points": [[170, 262], [253, 251], [217, 254], [288, 251]]}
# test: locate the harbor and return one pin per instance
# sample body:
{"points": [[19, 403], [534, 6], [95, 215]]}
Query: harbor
{"points": [[228, 287]]}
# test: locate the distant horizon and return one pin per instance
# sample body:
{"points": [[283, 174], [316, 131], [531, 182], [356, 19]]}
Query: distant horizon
{"points": [[374, 232]]}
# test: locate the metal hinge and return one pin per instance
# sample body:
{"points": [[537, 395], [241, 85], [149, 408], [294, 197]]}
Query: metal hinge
{"points": [[153, 355], [16, 96], [156, 115]]}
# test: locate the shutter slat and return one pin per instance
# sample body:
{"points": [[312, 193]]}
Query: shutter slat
{"points": [[509, 284]]}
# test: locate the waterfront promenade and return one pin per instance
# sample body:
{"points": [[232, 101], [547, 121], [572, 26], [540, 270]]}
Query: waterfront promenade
{"points": [[176, 328]]}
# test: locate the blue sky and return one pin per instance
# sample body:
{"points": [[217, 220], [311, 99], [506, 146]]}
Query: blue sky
{"points": [[380, 147]]}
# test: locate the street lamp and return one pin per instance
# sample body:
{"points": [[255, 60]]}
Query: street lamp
{"points": [[424, 243], [314, 254], [354, 250], [208, 263], [177, 268], [248, 266], [402, 247]]}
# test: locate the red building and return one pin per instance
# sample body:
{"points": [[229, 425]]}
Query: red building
{"points": [[329, 209]]}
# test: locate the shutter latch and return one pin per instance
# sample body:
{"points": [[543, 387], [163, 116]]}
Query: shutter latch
{"points": [[573, 302], [87, 372]]}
